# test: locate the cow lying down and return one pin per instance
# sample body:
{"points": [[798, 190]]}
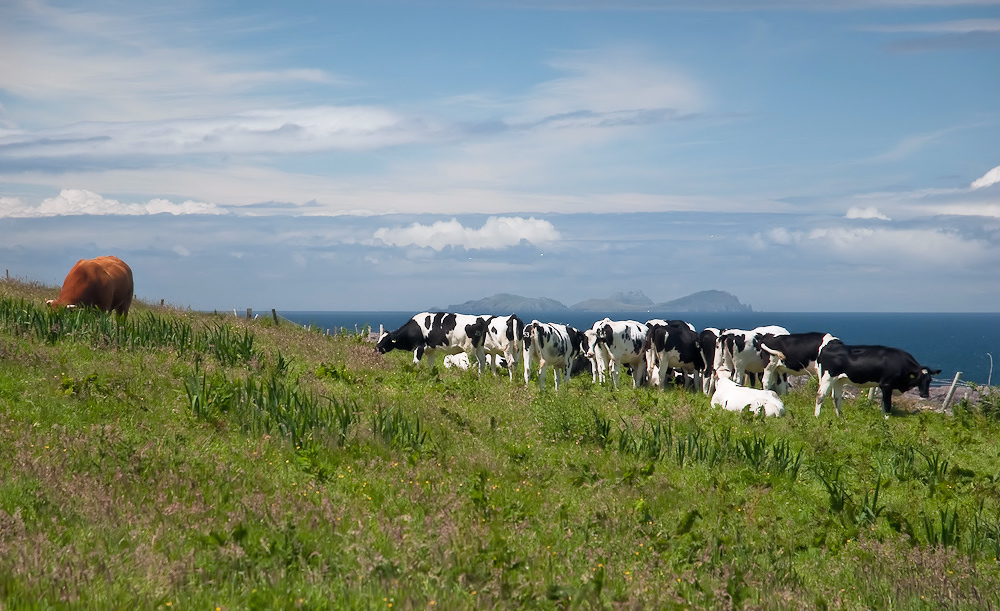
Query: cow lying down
{"points": [[732, 397]]}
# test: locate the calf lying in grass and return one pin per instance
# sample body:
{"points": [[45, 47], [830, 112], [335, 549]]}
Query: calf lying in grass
{"points": [[735, 398]]}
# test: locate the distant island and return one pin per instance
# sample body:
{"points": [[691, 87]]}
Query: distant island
{"points": [[632, 301]]}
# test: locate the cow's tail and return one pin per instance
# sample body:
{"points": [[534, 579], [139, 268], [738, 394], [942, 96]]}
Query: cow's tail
{"points": [[777, 354]]}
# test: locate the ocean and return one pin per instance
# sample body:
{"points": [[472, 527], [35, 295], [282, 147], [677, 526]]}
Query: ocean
{"points": [[949, 342]]}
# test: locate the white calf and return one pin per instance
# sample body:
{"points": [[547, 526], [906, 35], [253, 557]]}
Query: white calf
{"points": [[735, 398], [456, 361]]}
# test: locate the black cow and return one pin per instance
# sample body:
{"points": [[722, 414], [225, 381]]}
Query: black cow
{"points": [[866, 366], [428, 333], [793, 354]]}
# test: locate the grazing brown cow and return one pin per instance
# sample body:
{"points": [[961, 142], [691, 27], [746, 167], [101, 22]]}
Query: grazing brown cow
{"points": [[102, 282]]}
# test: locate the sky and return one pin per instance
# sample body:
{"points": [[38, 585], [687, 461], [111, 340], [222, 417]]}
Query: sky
{"points": [[404, 154]]}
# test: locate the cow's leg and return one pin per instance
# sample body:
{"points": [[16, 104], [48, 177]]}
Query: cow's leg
{"points": [[886, 389], [638, 375], [770, 374], [481, 358], [825, 383], [615, 366], [527, 366], [661, 375], [561, 374], [708, 379], [838, 394], [783, 385], [542, 366]]}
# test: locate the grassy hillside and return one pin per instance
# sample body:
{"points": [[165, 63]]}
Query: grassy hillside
{"points": [[189, 461]]}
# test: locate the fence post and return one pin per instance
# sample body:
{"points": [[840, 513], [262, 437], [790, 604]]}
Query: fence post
{"points": [[274, 313], [249, 313], [951, 391]]}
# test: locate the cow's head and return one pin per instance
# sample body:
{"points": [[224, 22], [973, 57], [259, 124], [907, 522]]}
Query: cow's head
{"points": [[605, 334], [385, 343], [923, 381], [476, 332], [578, 340], [591, 343]]}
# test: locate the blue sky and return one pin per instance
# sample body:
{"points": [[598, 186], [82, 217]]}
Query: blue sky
{"points": [[398, 155]]}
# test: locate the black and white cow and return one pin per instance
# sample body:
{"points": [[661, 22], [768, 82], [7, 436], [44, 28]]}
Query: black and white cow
{"points": [[428, 333], [735, 351], [625, 343], [552, 344], [503, 340], [887, 368], [706, 343], [674, 345], [794, 354]]}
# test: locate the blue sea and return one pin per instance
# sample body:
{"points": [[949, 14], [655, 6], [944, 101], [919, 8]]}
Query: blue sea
{"points": [[949, 342]]}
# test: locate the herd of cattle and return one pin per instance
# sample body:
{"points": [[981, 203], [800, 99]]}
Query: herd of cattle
{"points": [[718, 361]]}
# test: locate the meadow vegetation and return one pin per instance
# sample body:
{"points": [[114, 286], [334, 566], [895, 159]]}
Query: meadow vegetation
{"points": [[186, 460]]}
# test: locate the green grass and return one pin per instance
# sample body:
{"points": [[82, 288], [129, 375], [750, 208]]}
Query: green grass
{"points": [[191, 461]]}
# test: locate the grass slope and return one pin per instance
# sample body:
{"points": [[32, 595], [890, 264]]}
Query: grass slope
{"points": [[190, 461]]}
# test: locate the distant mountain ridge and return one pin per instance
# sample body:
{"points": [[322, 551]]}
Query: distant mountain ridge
{"points": [[505, 302], [632, 301]]}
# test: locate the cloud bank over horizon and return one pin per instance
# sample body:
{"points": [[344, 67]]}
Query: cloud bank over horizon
{"points": [[496, 233], [74, 202]]}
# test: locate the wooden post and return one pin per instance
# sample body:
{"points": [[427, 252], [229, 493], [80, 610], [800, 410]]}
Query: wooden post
{"points": [[951, 391], [161, 303], [249, 313], [274, 313]]}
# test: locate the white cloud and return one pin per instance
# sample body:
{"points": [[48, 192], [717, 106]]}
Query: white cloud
{"points": [[128, 62], [610, 87], [72, 202], [495, 234], [958, 26], [866, 213], [249, 133], [899, 248], [990, 178]]}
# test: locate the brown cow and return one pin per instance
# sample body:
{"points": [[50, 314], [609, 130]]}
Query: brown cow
{"points": [[102, 282]]}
